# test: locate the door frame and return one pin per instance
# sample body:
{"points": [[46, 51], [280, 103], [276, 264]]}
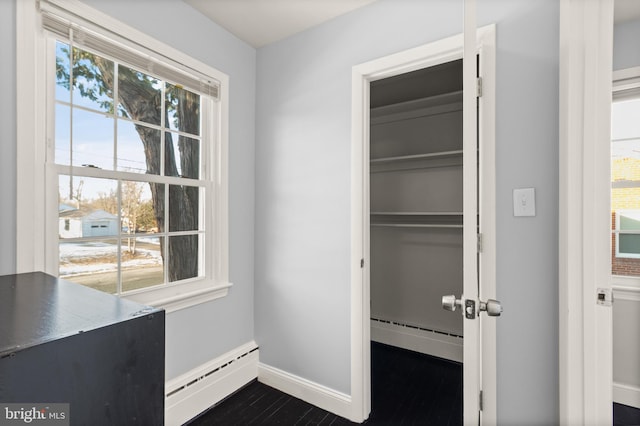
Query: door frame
{"points": [[444, 50], [585, 327]]}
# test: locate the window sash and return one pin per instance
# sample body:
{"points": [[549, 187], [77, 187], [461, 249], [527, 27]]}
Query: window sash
{"points": [[209, 266], [84, 34]]}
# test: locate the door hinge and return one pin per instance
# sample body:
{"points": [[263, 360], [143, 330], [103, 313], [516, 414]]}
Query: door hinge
{"points": [[480, 401], [479, 88], [362, 263], [479, 243]]}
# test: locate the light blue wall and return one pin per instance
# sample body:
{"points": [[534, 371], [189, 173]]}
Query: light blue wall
{"points": [[303, 190], [199, 334], [8, 138], [626, 45]]}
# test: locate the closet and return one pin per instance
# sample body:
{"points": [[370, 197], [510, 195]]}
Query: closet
{"points": [[416, 196]]}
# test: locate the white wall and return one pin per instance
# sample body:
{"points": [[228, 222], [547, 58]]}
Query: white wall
{"points": [[8, 138], [626, 49], [302, 190]]}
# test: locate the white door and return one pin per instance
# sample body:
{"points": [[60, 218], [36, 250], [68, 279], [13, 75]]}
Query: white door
{"points": [[478, 220]]}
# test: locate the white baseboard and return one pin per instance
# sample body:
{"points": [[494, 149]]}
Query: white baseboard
{"points": [[197, 390], [627, 395], [423, 341], [306, 390]]}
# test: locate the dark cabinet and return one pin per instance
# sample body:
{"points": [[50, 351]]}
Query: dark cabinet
{"points": [[64, 343]]}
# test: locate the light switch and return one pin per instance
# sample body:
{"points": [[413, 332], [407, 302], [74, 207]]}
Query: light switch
{"points": [[524, 202]]}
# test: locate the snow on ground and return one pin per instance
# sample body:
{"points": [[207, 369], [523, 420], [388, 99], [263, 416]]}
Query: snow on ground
{"points": [[87, 257]]}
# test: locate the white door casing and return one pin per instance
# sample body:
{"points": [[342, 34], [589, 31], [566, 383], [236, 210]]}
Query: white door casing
{"points": [[479, 360], [585, 327]]}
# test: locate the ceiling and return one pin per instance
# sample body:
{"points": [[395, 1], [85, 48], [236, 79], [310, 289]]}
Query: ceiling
{"points": [[260, 22]]}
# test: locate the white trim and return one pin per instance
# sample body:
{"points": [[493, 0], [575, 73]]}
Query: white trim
{"points": [[627, 395], [585, 332], [423, 341], [30, 109], [427, 55], [204, 386], [626, 293], [175, 297], [321, 396], [33, 224], [625, 79]]}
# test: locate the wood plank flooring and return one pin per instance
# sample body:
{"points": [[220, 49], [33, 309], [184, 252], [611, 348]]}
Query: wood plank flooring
{"points": [[408, 388]]}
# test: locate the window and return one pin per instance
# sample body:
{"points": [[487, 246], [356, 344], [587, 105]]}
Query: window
{"points": [[135, 160], [625, 182]]}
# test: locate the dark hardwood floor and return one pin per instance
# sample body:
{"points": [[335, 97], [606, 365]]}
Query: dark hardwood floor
{"points": [[408, 388], [623, 415]]}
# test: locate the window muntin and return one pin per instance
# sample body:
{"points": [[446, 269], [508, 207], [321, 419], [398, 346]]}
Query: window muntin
{"points": [[135, 174]]}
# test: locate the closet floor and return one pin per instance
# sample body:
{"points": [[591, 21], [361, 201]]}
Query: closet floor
{"points": [[408, 388]]}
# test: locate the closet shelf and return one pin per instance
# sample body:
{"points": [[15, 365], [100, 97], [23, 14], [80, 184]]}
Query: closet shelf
{"points": [[417, 213], [417, 219], [417, 225], [433, 155]]}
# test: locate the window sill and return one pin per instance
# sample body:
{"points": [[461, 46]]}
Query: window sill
{"points": [[182, 296]]}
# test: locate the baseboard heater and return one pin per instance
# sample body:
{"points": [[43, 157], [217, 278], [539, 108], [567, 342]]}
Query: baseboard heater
{"points": [[420, 339], [206, 385]]}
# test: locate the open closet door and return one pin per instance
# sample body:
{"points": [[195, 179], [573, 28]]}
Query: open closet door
{"points": [[476, 272], [471, 326]]}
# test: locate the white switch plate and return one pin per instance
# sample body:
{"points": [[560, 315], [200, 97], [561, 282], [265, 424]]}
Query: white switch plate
{"points": [[524, 202]]}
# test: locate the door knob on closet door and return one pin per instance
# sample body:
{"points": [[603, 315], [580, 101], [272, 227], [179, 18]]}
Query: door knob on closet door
{"points": [[450, 303], [492, 307]]}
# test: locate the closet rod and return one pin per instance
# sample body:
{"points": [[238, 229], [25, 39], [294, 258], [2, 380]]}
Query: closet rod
{"points": [[416, 225]]}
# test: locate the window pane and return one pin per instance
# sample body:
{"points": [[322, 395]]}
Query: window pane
{"points": [[90, 263], [142, 264], [139, 95], [63, 135], [182, 156], [136, 207], [92, 81], [88, 207], [183, 110], [625, 191], [184, 208], [62, 72], [92, 140], [138, 148], [629, 244], [183, 257]]}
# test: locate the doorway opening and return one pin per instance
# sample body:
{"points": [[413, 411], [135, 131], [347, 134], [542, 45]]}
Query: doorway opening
{"points": [[439, 222], [416, 243]]}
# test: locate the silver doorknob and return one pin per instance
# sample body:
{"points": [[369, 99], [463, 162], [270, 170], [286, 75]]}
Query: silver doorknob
{"points": [[450, 303], [492, 307]]}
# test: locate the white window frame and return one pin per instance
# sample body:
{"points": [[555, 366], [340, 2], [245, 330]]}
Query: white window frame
{"points": [[37, 239]]}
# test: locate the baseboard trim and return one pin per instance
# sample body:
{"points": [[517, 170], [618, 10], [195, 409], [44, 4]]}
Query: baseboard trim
{"points": [[199, 389], [423, 341], [316, 394], [626, 394]]}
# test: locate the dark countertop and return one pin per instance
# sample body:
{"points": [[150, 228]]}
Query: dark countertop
{"points": [[36, 308]]}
